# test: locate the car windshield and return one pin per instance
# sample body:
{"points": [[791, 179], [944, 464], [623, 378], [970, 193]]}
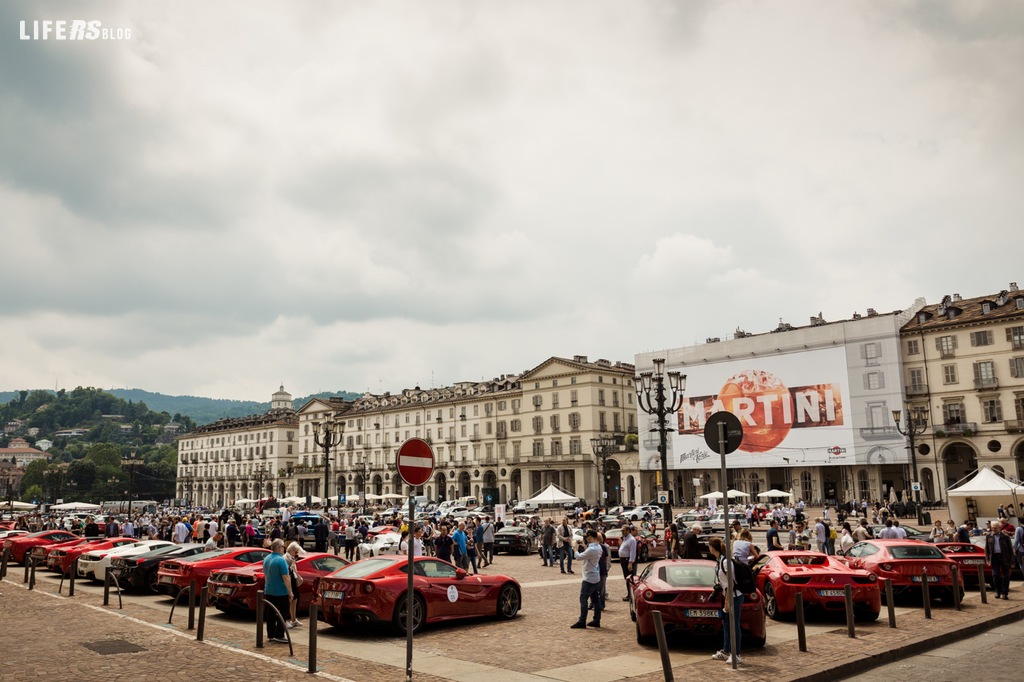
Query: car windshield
{"points": [[806, 560], [961, 549], [203, 556], [511, 531], [613, 533], [687, 575], [363, 568], [915, 552]]}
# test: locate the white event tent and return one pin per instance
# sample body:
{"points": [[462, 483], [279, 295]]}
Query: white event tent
{"points": [[775, 492], [552, 495], [15, 505], [75, 506], [987, 490], [717, 495]]}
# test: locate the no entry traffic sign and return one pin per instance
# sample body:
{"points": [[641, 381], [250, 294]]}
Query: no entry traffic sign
{"points": [[415, 461]]}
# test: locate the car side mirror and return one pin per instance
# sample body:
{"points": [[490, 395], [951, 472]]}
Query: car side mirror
{"points": [[460, 573]]}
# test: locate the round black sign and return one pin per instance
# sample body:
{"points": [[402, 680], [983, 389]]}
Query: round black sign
{"points": [[733, 432]]}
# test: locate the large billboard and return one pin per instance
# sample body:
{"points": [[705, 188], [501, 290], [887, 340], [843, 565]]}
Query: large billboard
{"points": [[795, 410]]}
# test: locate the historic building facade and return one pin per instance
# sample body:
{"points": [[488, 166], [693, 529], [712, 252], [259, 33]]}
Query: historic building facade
{"points": [[964, 366]]}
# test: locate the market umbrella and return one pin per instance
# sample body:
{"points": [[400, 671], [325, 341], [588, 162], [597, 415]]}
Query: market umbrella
{"points": [[774, 492], [15, 505], [76, 506]]}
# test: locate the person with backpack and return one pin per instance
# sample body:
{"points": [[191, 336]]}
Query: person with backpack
{"points": [[731, 605]]}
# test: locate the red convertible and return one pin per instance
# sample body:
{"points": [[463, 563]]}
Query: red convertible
{"points": [[682, 590], [969, 556], [905, 562], [374, 591], [23, 544], [237, 587], [174, 575], [820, 578], [648, 545], [60, 558]]}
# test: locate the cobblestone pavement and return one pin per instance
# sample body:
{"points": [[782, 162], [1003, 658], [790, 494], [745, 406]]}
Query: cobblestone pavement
{"points": [[538, 645]]}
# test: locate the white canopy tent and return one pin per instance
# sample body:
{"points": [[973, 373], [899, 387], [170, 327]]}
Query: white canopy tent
{"points": [[774, 493], [15, 505], [371, 497], [301, 500], [717, 495], [394, 496], [76, 506], [988, 490], [245, 502], [552, 495]]}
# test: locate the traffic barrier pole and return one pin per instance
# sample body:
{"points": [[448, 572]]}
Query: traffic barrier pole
{"points": [[956, 588], [926, 596], [981, 585], [889, 602], [801, 626], [259, 619], [32, 575], [25, 580], [71, 578], [106, 587], [849, 611], [312, 638], [192, 605], [202, 613], [659, 631], [3, 563]]}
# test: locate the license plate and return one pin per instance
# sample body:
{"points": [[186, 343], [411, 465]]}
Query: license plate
{"points": [[702, 613], [931, 578], [974, 562], [334, 594], [223, 590], [167, 579], [832, 593]]}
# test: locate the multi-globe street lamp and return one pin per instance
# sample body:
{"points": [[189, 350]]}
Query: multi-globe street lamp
{"points": [[915, 424], [601, 445], [130, 462], [327, 435], [650, 394]]}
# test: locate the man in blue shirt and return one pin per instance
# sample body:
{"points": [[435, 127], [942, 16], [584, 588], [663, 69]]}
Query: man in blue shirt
{"points": [[278, 589], [590, 588], [459, 537]]}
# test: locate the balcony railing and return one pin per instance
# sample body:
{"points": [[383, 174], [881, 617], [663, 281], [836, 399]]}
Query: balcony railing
{"points": [[1014, 426], [961, 429], [982, 384], [875, 432], [917, 389]]}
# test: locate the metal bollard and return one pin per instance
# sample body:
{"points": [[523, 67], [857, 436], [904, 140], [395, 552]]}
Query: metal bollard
{"points": [[106, 587], [889, 602], [312, 638], [259, 619], [926, 596], [74, 572], [801, 626], [981, 585], [659, 631], [202, 613], [956, 588], [3, 563], [32, 575], [25, 580], [849, 611], [192, 605]]}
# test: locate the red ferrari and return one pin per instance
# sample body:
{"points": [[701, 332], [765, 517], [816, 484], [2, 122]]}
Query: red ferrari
{"points": [[820, 578], [969, 556], [174, 575], [682, 590], [235, 588], [61, 557], [374, 591], [648, 545], [23, 544], [905, 562]]}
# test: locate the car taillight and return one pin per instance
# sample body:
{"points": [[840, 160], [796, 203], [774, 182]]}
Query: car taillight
{"points": [[872, 577], [786, 578], [368, 588], [648, 595], [886, 567]]}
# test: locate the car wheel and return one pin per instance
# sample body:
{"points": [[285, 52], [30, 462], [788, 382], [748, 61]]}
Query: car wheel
{"points": [[643, 554], [753, 642], [508, 602], [771, 602], [867, 615], [398, 619], [646, 640], [154, 583]]}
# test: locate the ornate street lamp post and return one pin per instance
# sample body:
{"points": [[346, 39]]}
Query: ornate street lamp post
{"points": [[600, 446], [916, 423], [130, 462], [650, 395], [262, 474], [326, 435]]}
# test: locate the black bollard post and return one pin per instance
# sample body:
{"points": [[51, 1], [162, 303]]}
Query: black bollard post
{"points": [[74, 572], [32, 575], [926, 596], [849, 612], [982, 585], [202, 613], [312, 638], [3, 563], [25, 580], [659, 631], [889, 602], [106, 587], [956, 588], [801, 626], [259, 619], [192, 605]]}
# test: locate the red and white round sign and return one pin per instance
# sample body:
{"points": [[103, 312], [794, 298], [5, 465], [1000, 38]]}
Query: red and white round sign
{"points": [[415, 461]]}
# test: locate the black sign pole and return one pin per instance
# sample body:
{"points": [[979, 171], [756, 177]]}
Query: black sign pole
{"points": [[409, 601], [729, 601]]}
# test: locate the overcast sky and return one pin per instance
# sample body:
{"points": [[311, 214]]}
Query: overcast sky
{"points": [[375, 195]]}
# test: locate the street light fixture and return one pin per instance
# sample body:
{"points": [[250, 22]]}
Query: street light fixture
{"points": [[916, 423], [327, 435], [262, 475], [600, 446], [650, 394], [130, 461]]}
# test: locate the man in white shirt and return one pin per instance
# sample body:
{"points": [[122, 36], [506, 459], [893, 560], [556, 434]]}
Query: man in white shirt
{"points": [[180, 532], [627, 555], [590, 588], [901, 533], [889, 533]]}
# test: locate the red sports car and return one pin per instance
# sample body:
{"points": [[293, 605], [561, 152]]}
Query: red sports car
{"points": [[905, 562], [61, 557], [22, 545], [682, 590], [236, 587], [174, 575], [969, 556], [42, 553], [374, 590], [820, 578], [648, 545]]}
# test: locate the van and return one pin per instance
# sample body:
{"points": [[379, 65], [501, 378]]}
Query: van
{"points": [[468, 502]]}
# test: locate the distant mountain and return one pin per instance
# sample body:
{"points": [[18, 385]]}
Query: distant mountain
{"points": [[200, 410]]}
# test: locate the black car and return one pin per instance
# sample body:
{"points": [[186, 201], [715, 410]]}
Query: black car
{"points": [[515, 540], [139, 572]]}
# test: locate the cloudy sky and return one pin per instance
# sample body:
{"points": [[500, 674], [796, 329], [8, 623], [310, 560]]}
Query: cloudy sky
{"points": [[366, 196]]}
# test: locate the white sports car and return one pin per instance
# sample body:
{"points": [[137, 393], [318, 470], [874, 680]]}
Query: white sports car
{"points": [[94, 564], [384, 543]]}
